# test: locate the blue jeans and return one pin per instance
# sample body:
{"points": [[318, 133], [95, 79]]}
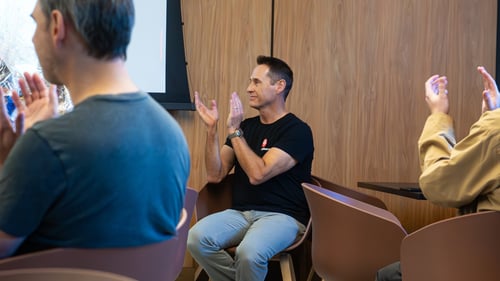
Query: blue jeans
{"points": [[259, 236]]}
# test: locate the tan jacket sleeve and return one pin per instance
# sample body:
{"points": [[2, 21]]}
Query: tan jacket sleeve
{"points": [[455, 175]]}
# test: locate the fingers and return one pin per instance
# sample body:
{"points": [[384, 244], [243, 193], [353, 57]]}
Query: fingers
{"points": [[488, 81], [213, 104], [33, 87], [431, 80], [430, 88], [198, 103], [196, 97], [435, 85], [235, 103], [40, 86], [25, 91], [20, 124], [442, 82], [17, 101], [3, 109]]}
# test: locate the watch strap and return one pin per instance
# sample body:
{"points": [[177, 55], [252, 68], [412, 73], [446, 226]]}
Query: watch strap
{"points": [[236, 133]]}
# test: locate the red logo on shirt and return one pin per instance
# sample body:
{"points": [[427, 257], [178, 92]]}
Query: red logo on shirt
{"points": [[263, 145]]}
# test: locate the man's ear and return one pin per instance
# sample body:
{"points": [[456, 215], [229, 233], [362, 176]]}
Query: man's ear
{"points": [[280, 85], [57, 27]]}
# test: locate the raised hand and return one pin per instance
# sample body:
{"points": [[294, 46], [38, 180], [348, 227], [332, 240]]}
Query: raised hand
{"points": [[235, 112], [8, 134], [491, 96], [210, 116], [436, 94], [40, 102]]}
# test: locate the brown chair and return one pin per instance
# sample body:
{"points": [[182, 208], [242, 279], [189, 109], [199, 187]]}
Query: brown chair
{"points": [[372, 200], [460, 248], [351, 239], [218, 197], [154, 262], [60, 274], [182, 233]]}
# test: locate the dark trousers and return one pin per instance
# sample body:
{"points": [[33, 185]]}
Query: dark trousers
{"points": [[391, 272]]}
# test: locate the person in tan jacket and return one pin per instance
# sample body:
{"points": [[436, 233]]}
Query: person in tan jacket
{"points": [[463, 175]]}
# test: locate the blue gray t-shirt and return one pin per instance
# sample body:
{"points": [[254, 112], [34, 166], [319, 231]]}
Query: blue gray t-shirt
{"points": [[111, 173]]}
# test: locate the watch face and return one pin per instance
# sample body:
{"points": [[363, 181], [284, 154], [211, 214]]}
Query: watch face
{"points": [[236, 133]]}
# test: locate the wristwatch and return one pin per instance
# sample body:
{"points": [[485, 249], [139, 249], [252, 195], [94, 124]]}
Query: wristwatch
{"points": [[237, 133]]}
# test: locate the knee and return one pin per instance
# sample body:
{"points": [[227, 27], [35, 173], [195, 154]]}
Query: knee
{"points": [[193, 242], [250, 256]]}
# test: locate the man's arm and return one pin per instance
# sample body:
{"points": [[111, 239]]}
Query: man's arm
{"points": [[218, 161], [456, 176], [491, 96], [260, 169], [9, 244], [40, 104]]}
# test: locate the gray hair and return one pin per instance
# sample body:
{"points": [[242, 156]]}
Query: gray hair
{"points": [[105, 26]]}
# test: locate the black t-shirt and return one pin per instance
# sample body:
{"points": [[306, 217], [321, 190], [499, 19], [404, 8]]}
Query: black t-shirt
{"points": [[283, 193]]}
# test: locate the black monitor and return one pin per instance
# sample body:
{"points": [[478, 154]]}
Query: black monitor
{"points": [[155, 57]]}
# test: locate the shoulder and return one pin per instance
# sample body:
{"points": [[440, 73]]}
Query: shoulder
{"points": [[488, 125], [295, 122], [490, 119]]}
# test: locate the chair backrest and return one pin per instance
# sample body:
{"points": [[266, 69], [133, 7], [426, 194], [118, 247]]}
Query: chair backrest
{"points": [[214, 197], [60, 274], [351, 239], [460, 248], [182, 232], [154, 262], [349, 192]]}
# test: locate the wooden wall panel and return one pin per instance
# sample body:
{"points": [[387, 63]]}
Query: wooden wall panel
{"points": [[222, 39], [360, 68]]}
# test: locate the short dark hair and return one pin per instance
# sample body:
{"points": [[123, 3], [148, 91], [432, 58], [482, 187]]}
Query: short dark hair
{"points": [[278, 70], [104, 26]]}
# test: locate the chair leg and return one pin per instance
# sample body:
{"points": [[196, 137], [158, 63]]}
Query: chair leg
{"points": [[311, 274], [286, 265], [200, 274]]}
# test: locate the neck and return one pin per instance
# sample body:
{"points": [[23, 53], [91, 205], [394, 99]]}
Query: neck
{"points": [[271, 114], [90, 77]]}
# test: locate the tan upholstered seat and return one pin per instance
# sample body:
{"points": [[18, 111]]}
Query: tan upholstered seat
{"points": [[459, 249], [217, 197], [351, 239], [155, 262], [60, 274]]}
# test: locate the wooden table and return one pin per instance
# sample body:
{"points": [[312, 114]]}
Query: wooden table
{"points": [[405, 189]]}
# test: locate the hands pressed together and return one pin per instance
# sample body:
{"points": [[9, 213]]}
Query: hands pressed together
{"points": [[436, 94], [210, 116], [40, 103], [491, 96]]}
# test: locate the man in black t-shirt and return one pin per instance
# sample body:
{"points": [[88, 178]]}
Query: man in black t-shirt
{"points": [[271, 155]]}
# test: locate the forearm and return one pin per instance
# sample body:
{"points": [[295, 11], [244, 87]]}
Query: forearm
{"points": [[261, 169], [213, 161], [437, 140], [250, 162]]}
